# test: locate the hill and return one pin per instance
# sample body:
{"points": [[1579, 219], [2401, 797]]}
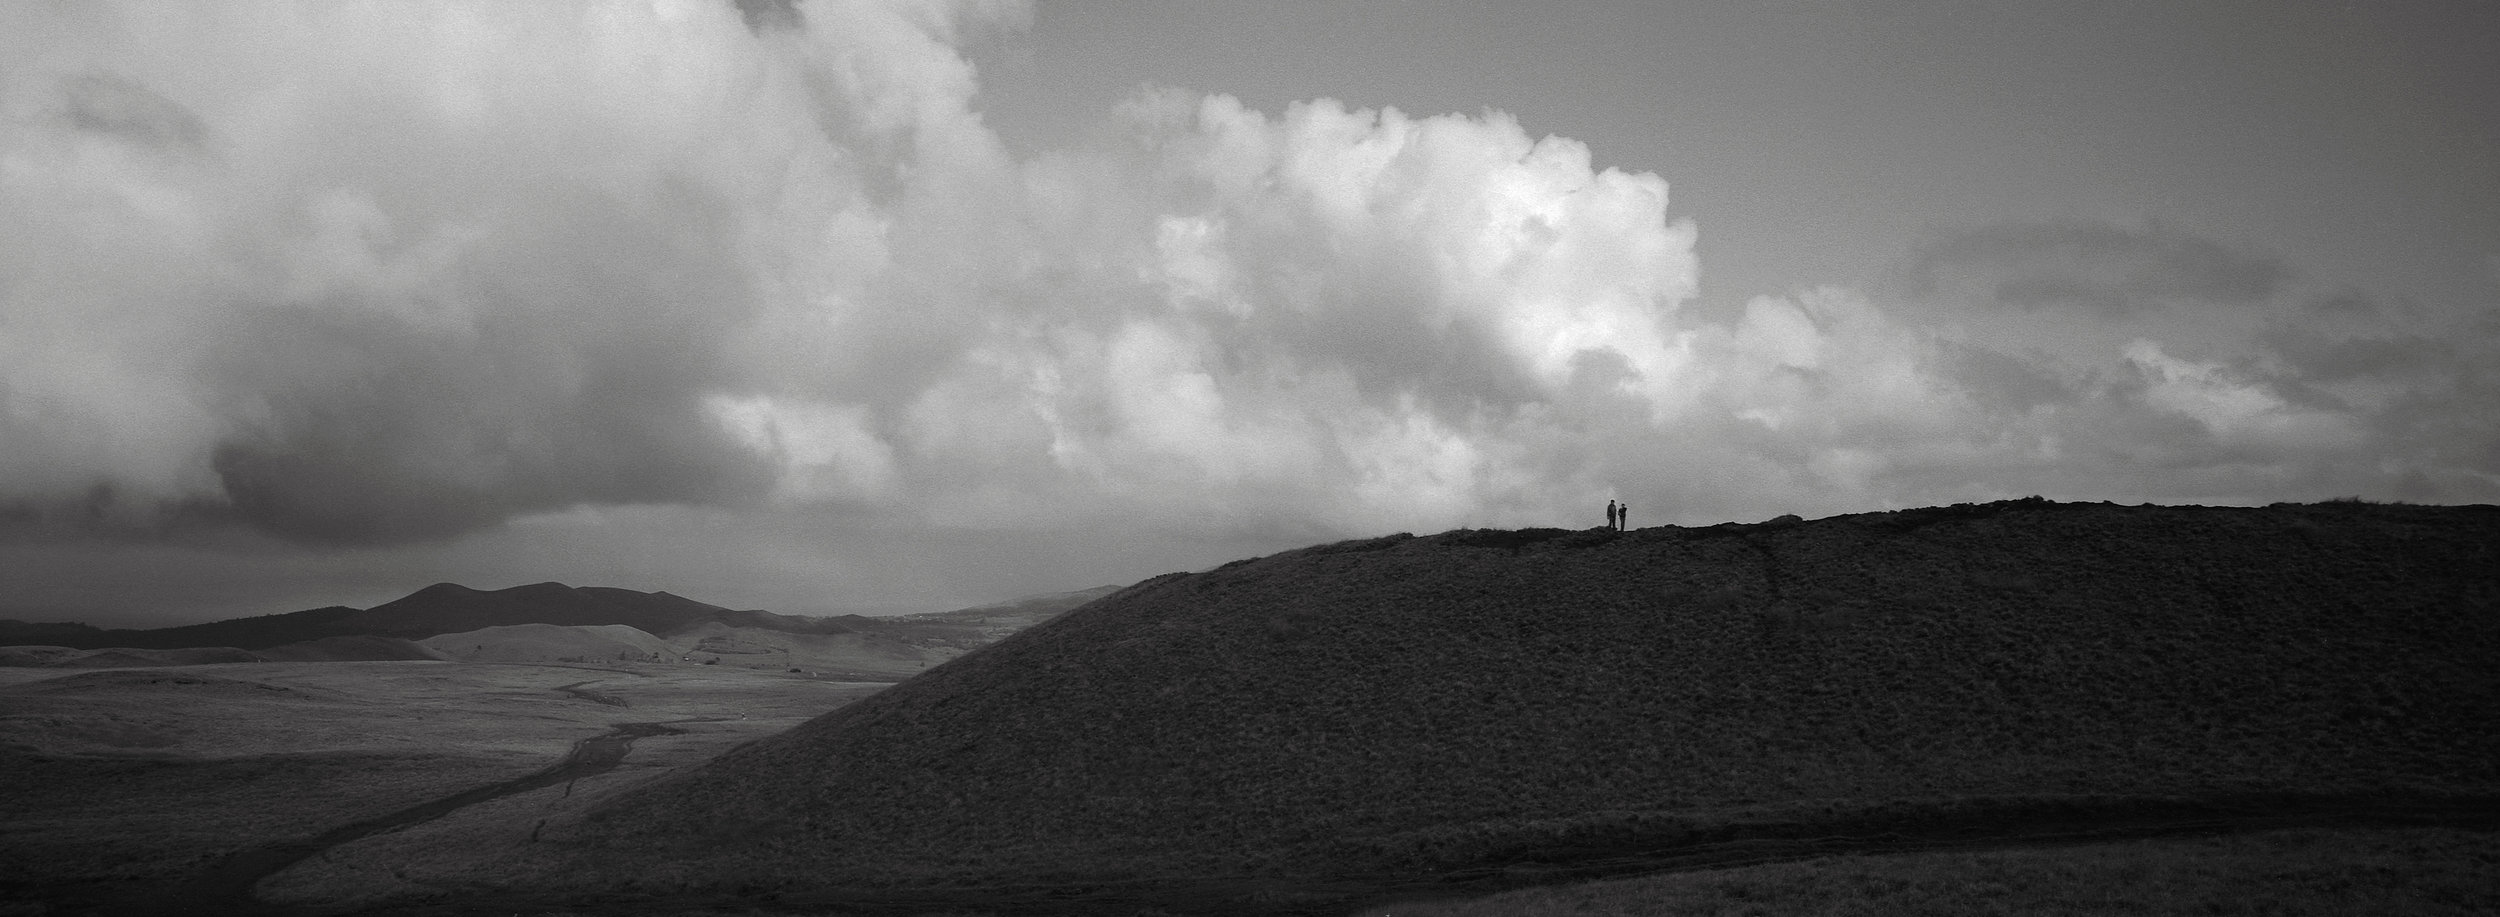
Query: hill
{"points": [[243, 633], [1411, 706], [878, 645], [447, 608], [326, 649], [442, 608]]}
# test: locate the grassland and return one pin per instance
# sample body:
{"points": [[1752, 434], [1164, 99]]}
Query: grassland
{"points": [[118, 785]]}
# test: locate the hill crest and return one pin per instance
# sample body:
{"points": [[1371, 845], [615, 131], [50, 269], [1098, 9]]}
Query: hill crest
{"points": [[1396, 703]]}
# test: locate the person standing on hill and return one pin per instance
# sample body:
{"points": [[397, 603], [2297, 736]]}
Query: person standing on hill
{"points": [[1610, 514], [1623, 518]]}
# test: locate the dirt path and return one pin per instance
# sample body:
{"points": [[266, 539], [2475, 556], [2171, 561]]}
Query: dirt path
{"points": [[226, 888]]}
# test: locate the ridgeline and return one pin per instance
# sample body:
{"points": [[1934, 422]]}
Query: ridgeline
{"points": [[1419, 707]]}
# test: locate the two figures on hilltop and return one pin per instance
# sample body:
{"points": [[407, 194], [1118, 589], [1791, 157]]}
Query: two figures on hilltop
{"points": [[1616, 514]]}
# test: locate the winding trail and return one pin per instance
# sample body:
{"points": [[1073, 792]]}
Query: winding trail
{"points": [[226, 888]]}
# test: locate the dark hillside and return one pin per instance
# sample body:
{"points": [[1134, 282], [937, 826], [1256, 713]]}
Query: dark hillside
{"points": [[247, 633], [1417, 704], [447, 608], [442, 608]]}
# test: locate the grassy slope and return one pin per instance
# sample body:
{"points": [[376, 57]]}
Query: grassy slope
{"points": [[1414, 704]]}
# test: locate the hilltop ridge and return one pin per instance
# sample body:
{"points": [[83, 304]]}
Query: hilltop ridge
{"points": [[1406, 704]]}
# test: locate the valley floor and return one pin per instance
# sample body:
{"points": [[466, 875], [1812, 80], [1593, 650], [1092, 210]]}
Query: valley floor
{"points": [[178, 788]]}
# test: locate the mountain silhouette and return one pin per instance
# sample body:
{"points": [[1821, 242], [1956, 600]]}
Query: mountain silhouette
{"points": [[441, 608], [450, 608]]}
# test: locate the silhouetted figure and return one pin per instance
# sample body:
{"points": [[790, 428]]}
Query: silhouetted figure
{"points": [[1623, 518], [1610, 514]]}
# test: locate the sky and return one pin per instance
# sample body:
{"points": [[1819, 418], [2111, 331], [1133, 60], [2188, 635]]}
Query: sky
{"points": [[878, 306]]}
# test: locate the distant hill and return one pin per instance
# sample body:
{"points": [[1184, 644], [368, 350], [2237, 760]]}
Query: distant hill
{"points": [[1414, 705], [441, 608], [445, 608], [244, 633], [885, 647], [326, 649]]}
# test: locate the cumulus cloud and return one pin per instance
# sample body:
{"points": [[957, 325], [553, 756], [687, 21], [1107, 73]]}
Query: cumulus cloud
{"points": [[375, 273], [2207, 372]]}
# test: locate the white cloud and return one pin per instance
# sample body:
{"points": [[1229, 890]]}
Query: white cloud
{"points": [[370, 272], [2235, 409]]}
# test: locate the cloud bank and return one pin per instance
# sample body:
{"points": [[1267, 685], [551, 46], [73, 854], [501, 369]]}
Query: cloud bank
{"points": [[355, 274]]}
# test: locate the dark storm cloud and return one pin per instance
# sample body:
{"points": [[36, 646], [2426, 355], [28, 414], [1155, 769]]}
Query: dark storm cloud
{"points": [[404, 435], [2321, 358], [2103, 268], [2002, 381], [106, 104], [594, 328]]}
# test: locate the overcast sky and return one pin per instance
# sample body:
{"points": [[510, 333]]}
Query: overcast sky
{"points": [[925, 304]]}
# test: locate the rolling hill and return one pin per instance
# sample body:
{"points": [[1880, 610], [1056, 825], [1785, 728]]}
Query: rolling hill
{"points": [[442, 608], [1415, 707], [870, 647]]}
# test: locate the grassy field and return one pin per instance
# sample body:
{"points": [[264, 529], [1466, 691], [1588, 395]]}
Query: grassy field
{"points": [[114, 780]]}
